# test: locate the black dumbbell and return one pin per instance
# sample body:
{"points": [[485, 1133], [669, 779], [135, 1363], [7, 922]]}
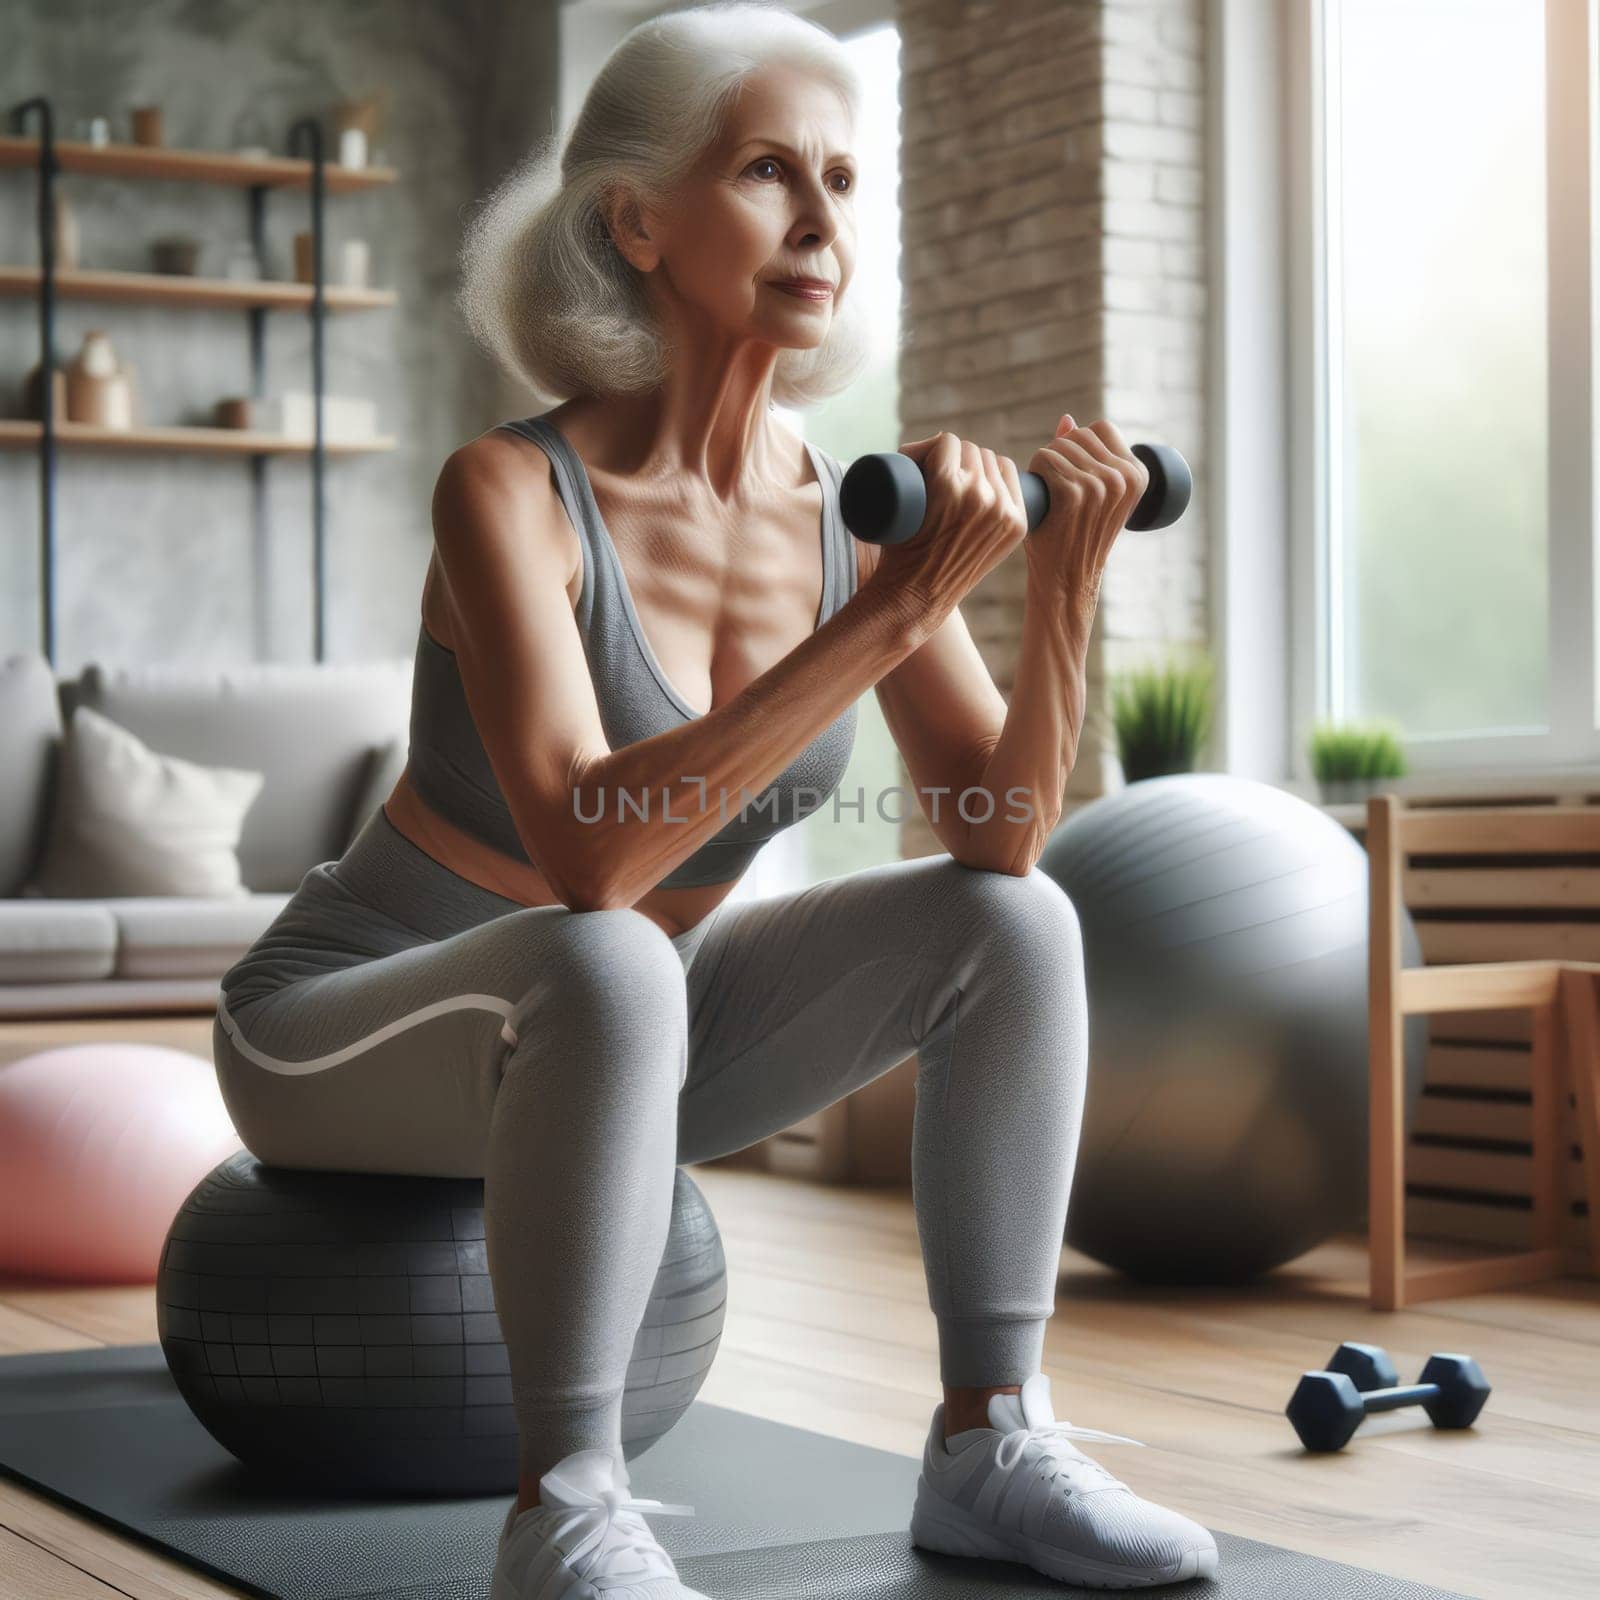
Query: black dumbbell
{"points": [[883, 497], [1327, 1407]]}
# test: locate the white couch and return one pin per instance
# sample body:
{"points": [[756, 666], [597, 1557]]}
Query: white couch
{"points": [[330, 739]]}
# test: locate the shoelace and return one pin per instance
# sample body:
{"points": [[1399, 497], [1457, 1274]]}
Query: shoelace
{"points": [[599, 1519], [1013, 1443]]}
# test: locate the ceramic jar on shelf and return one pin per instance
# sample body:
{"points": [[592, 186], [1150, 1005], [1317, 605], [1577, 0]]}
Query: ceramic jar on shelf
{"points": [[99, 387]]}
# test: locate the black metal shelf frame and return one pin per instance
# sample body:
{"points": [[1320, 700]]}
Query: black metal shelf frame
{"points": [[307, 133]]}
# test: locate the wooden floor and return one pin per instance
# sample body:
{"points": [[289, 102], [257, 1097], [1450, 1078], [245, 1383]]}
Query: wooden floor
{"points": [[829, 1329]]}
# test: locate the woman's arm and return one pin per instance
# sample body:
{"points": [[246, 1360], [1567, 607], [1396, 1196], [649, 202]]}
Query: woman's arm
{"points": [[498, 530], [957, 735], [1094, 483], [1027, 767], [954, 729], [709, 768]]}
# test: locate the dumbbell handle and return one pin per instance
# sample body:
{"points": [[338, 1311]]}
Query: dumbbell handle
{"points": [[884, 497], [1405, 1394]]}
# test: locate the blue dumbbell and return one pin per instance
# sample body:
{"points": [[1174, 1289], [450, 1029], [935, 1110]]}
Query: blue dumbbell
{"points": [[1328, 1406]]}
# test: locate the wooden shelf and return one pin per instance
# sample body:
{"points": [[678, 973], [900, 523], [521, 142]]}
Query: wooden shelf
{"points": [[255, 176], [173, 289], [21, 434], [195, 166]]}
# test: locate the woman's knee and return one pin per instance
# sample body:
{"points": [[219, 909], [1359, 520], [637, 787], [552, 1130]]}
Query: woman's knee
{"points": [[616, 977], [617, 956], [1031, 910], [619, 939]]}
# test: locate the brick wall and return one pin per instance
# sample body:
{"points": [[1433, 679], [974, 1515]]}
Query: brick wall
{"points": [[1052, 169], [1052, 176]]}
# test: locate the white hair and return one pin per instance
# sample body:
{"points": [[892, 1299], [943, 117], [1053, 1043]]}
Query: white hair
{"points": [[543, 288]]}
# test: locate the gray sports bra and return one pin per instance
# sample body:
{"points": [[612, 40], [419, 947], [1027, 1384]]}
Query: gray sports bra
{"points": [[450, 769]]}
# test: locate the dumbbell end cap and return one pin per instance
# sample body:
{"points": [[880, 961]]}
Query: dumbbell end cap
{"points": [[1367, 1366], [883, 498], [1167, 496], [1463, 1389], [1325, 1410]]}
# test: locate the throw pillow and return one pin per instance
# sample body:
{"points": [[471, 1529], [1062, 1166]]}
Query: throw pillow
{"points": [[129, 821]]}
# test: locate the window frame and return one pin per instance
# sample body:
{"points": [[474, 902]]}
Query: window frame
{"points": [[1312, 302]]}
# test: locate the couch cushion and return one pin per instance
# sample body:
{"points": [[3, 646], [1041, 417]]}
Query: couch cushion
{"points": [[308, 726], [128, 820], [56, 941], [109, 997], [30, 726], [168, 936]]}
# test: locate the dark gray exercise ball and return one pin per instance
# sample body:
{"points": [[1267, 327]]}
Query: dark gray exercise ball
{"points": [[339, 1328], [1225, 944]]}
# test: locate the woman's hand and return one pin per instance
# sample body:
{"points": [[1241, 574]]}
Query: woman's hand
{"points": [[975, 518], [1095, 482]]}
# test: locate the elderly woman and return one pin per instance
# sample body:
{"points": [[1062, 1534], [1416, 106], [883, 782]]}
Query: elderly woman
{"points": [[644, 631]]}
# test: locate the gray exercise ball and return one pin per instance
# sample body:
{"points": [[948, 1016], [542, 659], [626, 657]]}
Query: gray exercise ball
{"points": [[339, 1328], [1225, 944]]}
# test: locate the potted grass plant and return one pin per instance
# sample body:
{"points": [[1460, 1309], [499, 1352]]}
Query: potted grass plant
{"points": [[1162, 716], [1351, 761]]}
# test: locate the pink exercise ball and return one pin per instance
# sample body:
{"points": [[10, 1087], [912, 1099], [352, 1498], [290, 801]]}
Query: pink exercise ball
{"points": [[100, 1145]]}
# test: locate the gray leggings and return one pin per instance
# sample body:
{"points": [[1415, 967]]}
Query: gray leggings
{"points": [[397, 1018]]}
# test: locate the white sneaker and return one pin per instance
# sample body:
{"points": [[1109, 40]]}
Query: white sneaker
{"points": [[1018, 1491], [585, 1540]]}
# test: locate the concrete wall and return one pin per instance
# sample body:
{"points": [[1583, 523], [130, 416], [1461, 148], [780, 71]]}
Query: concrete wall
{"points": [[155, 559]]}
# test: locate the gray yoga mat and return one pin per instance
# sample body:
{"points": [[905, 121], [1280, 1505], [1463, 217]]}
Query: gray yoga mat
{"points": [[781, 1513]]}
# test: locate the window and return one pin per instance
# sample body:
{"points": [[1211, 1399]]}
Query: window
{"points": [[1454, 568]]}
